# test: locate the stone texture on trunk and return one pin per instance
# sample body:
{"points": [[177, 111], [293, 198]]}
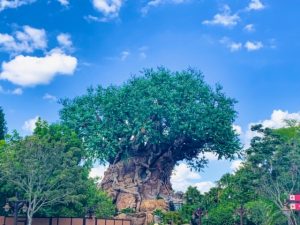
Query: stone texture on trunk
{"points": [[141, 184]]}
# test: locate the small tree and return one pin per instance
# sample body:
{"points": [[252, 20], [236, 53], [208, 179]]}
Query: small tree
{"points": [[275, 157], [44, 167]]}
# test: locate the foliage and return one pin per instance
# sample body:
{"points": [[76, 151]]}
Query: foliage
{"points": [[44, 167], [222, 214], [160, 110], [89, 197], [264, 212], [172, 218], [275, 157], [127, 210], [3, 127]]}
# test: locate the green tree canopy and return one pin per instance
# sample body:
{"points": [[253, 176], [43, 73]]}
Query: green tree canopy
{"points": [[3, 128], [156, 112], [44, 167]]}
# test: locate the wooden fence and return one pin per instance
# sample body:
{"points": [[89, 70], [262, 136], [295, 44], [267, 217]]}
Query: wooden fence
{"points": [[64, 221]]}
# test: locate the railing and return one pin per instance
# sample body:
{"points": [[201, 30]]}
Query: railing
{"points": [[65, 221]]}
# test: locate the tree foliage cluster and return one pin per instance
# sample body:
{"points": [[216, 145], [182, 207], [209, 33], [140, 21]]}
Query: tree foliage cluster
{"points": [[159, 111], [269, 174], [46, 169]]}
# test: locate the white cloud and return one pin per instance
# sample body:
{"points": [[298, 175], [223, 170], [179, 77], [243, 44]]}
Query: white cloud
{"points": [[255, 5], [249, 28], [183, 177], [154, 3], [110, 8], [124, 55], [27, 40], [235, 165], [50, 98], [142, 52], [17, 91], [64, 2], [235, 46], [98, 171], [210, 156], [64, 40], [31, 70], [143, 55], [6, 4], [225, 18], [231, 45], [237, 129], [253, 46], [29, 125], [278, 120], [204, 186]]}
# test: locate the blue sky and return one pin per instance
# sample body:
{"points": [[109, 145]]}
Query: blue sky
{"points": [[51, 49]]}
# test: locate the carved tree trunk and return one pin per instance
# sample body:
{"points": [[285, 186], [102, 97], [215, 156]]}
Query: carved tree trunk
{"points": [[139, 182]]}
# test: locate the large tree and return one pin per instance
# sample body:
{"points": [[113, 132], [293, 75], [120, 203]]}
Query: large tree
{"points": [[44, 167], [144, 127]]}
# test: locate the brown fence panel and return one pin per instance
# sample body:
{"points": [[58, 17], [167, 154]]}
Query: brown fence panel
{"points": [[89, 222], [110, 222], [77, 221], [126, 222], [54, 221], [9, 221], [1, 220], [40, 221], [118, 222], [101, 222], [65, 221]]}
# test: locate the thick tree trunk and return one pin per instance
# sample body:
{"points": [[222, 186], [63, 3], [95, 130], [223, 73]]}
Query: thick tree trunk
{"points": [[140, 183]]}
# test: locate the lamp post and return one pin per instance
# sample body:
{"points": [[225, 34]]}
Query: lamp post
{"points": [[200, 213], [15, 206], [90, 213]]}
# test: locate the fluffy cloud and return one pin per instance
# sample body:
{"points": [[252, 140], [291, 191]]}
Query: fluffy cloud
{"points": [[31, 70], [124, 55], [16, 91], [50, 98], [225, 18], [27, 40], [255, 5], [64, 2], [237, 129], [183, 177], [231, 45], [235, 165], [249, 28], [6, 4], [64, 40], [110, 8], [97, 171], [142, 52], [154, 3], [278, 120], [204, 186], [29, 125], [253, 46], [234, 46]]}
